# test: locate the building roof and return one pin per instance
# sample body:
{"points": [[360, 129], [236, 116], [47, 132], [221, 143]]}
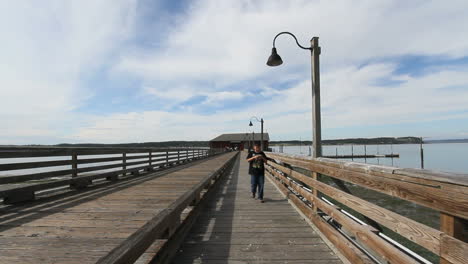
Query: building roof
{"points": [[241, 137]]}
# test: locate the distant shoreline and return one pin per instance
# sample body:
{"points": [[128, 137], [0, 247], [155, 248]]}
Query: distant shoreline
{"points": [[345, 141], [344, 144], [355, 141]]}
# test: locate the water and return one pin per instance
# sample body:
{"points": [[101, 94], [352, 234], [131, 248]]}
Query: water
{"points": [[448, 157]]}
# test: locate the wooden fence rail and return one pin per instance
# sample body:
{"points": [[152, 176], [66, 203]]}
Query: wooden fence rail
{"points": [[26, 170], [444, 192]]}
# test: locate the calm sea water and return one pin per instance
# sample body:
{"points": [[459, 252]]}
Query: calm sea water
{"points": [[449, 157]]}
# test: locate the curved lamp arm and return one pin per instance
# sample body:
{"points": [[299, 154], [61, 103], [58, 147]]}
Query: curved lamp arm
{"points": [[255, 118], [292, 35]]}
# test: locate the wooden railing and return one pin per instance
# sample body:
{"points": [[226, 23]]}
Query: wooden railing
{"points": [[169, 224], [360, 238], [27, 170]]}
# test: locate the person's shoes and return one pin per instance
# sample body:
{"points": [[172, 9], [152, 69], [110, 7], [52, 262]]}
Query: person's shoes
{"points": [[253, 195], [262, 201]]}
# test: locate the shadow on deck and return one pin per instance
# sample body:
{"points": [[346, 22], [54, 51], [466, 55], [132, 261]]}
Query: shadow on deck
{"points": [[235, 228]]}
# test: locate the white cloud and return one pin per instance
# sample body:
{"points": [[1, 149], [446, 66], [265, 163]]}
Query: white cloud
{"points": [[229, 41], [218, 49], [47, 48], [352, 97]]}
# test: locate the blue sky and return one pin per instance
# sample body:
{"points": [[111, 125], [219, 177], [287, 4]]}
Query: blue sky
{"points": [[137, 71]]}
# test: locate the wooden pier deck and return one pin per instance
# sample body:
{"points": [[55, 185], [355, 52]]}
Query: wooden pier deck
{"points": [[235, 228], [84, 226], [194, 206]]}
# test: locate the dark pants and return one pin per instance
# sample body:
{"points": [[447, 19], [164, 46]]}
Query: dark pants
{"points": [[257, 181]]}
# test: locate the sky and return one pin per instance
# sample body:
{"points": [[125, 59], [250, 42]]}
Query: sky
{"points": [[114, 71]]}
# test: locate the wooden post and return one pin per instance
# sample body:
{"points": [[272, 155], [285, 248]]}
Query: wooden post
{"points": [[150, 158], [316, 120], [167, 158], [365, 153], [150, 161], [421, 150], [261, 135], [316, 116], [124, 163], [74, 165], [178, 156], [452, 226]]}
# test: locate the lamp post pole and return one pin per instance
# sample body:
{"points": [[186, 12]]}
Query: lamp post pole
{"points": [[316, 120], [275, 60], [261, 135]]}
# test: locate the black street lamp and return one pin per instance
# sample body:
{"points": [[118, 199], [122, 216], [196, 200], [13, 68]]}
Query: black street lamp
{"points": [[275, 60], [261, 135]]}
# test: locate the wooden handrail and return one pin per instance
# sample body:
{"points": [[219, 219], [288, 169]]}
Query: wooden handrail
{"points": [[78, 167], [444, 192]]}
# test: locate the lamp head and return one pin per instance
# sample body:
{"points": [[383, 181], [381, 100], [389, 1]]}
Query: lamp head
{"points": [[250, 124], [274, 59]]}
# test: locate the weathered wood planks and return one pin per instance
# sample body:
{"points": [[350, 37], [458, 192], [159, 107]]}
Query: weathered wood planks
{"points": [[78, 168], [84, 226], [235, 228], [444, 192]]}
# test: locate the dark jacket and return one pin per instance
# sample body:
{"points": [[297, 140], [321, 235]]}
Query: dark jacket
{"points": [[257, 167]]}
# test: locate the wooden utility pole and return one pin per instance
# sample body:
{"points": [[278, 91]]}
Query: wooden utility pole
{"points": [[316, 119], [261, 135]]}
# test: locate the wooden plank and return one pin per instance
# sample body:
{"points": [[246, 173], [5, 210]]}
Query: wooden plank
{"points": [[412, 230], [64, 182], [29, 152], [452, 203], [350, 251], [135, 245], [234, 227], [34, 176], [113, 213], [455, 237], [438, 176], [453, 250], [372, 240], [427, 177], [448, 181], [173, 244], [33, 165], [49, 174]]}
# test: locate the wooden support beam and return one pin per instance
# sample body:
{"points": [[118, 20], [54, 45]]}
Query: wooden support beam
{"points": [[124, 163], [453, 248], [74, 165], [80, 183], [18, 197]]}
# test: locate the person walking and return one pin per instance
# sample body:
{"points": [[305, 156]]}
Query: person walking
{"points": [[257, 160]]}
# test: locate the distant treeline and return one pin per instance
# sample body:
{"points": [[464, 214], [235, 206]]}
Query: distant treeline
{"points": [[164, 144], [357, 141], [182, 144]]}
